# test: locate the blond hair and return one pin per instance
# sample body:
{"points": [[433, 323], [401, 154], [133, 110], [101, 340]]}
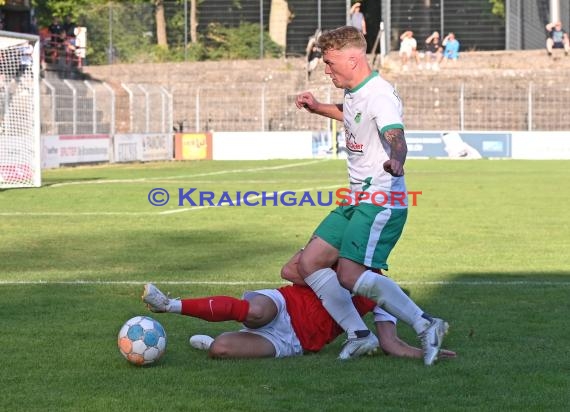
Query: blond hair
{"points": [[344, 37]]}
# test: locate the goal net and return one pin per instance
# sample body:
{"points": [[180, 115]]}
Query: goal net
{"points": [[20, 146]]}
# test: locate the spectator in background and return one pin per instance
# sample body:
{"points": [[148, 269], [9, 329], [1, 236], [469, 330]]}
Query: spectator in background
{"points": [[69, 26], [70, 49], [314, 54], [357, 18], [56, 32], [408, 49], [451, 44], [557, 38], [54, 43], [433, 51]]}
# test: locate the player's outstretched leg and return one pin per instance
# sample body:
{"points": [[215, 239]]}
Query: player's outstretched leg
{"points": [[389, 296], [155, 300]]}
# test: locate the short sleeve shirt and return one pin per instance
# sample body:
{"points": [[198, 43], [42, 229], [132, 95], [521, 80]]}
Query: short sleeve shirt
{"points": [[369, 110]]}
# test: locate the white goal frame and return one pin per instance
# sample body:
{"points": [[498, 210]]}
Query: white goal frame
{"points": [[20, 144]]}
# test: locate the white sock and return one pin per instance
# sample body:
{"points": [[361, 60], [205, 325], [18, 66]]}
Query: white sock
{"points": [[336, 300], [174, 306], [388, 295]]}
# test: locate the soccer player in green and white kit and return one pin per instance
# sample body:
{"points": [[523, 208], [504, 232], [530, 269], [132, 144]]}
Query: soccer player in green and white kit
{"points": [[362, 234]]}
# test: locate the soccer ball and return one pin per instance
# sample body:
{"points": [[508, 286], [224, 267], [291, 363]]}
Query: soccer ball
{"points": [[142, 340]]}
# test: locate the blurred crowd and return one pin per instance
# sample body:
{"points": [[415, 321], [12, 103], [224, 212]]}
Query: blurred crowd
{"points": [[62, 43]]}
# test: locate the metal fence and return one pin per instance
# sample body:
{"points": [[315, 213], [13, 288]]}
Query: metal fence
{"points": [[487, 105], [118, 31], [87, 107], [90, 107]]}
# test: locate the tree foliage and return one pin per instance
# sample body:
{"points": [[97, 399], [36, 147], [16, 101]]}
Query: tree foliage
{"points": [[238, 43], [498, 8], [121, 31]]}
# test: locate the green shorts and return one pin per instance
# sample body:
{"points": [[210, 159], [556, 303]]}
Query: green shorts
{"points": [[365, 233]]}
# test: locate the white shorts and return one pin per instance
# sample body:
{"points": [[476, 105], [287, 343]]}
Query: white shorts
{"points": [[279, 331]]}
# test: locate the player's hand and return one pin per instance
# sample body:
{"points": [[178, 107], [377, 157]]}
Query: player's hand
{"points": [[394, 167], [446, 354], [307, 101]]}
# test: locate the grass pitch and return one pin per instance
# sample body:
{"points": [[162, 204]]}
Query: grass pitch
{"points": [[486, 248]]}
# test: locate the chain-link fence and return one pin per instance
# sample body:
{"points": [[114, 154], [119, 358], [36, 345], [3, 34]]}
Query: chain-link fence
{"points": [[89, 107], [486, 105], [243, 107]]}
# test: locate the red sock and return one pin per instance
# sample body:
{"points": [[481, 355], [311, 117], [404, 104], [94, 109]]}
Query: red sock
{"points": [[216, 308]]}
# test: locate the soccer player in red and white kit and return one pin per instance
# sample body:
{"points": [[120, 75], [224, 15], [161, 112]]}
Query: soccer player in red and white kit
{"points": [[287, 321]]}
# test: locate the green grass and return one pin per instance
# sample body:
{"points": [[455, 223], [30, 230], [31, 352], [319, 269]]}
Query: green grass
{"points": [[487, 248]]}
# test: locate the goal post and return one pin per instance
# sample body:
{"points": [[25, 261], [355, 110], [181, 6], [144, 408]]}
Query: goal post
{"points": [[20, 145]]}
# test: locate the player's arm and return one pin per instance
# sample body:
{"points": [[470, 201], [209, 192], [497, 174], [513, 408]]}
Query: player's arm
{"points": [[307, 101], [392, 345], [398, 151], [330, 110]]}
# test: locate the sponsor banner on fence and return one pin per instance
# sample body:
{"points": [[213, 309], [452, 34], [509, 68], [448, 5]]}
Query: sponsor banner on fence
{"points": [[262, 145], [157, 147], [458, 145], [142, 147], [93, 148], [193, 146], [455, 145], [127, 148], [50, 152], [541, 145]]}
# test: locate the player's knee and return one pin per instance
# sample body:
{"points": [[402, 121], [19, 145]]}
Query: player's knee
{"points": [[286, 272], [255, 313], [308, 265], [262, 310], [290, 270], [304, 267], [348, 272], [346, 280], [221, 348]]}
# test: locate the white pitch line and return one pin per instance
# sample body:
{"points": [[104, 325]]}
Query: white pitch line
{"points": [[133, 282], [151, 179], [78, 213], [165, 212], [255, 282]]}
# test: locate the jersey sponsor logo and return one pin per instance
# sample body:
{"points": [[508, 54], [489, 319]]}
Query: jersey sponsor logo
{"points": [[352, 145], [358, 117]]}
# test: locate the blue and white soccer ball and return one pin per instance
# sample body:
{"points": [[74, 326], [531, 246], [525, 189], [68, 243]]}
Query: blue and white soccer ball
{"points": [[142, 340]]}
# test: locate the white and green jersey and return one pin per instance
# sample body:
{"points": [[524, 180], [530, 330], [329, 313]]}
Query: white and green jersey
{"points": [[369, 110]]}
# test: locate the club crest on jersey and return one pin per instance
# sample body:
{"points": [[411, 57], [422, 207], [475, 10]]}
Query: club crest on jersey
{"points": [[352, 145], [358, 117]]}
